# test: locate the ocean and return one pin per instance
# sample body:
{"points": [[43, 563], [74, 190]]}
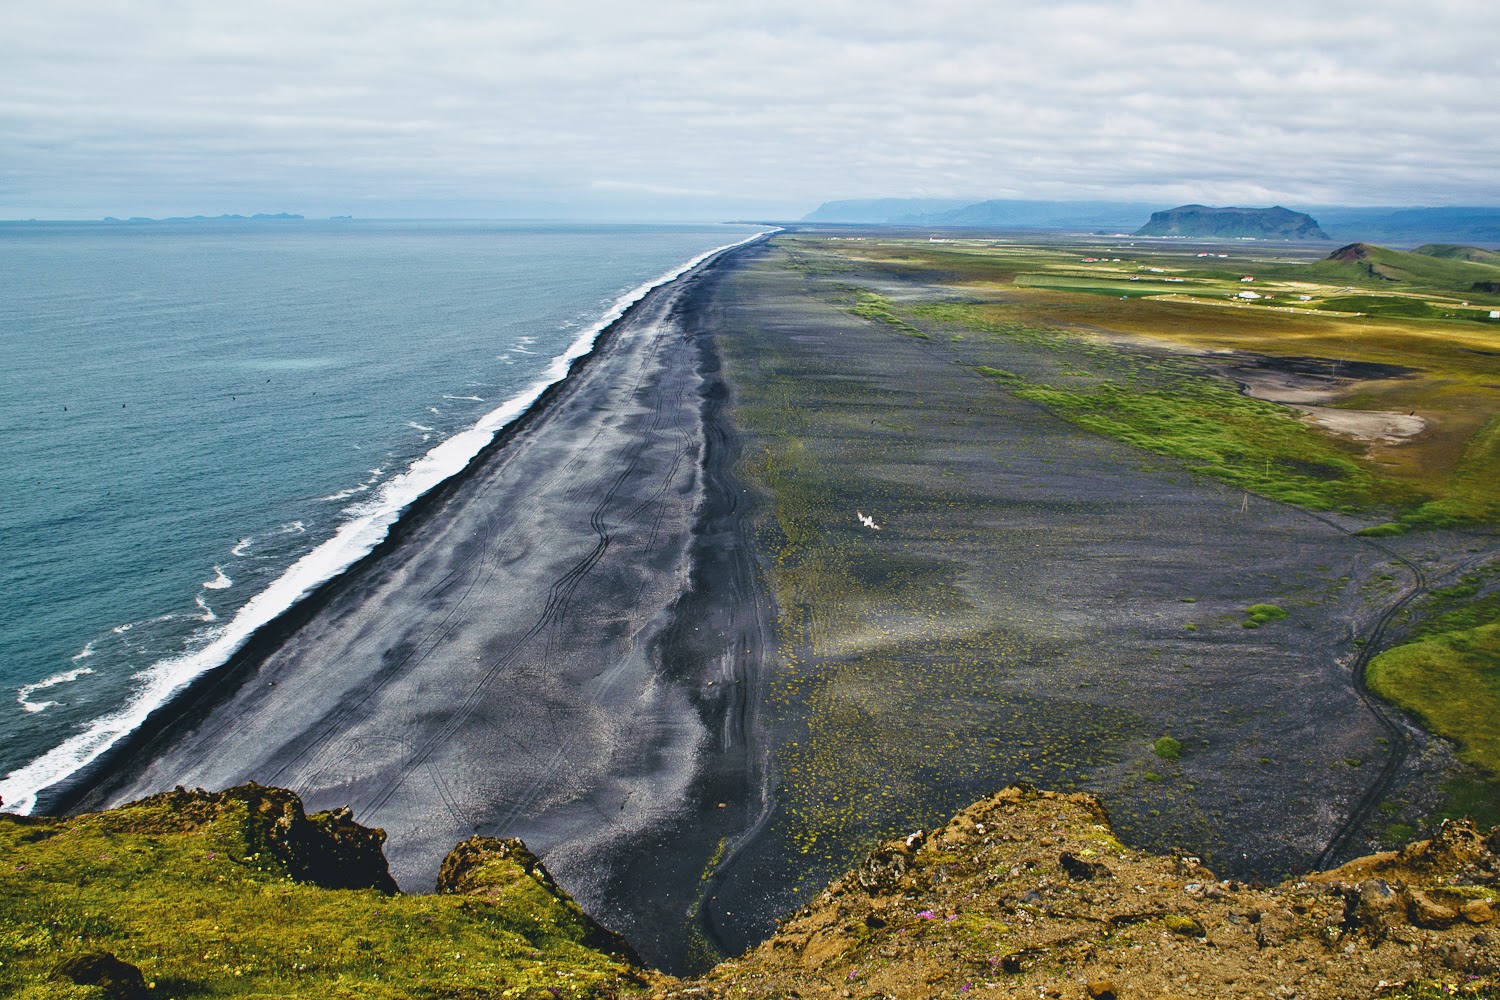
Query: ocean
{"points": [[201, 421]]}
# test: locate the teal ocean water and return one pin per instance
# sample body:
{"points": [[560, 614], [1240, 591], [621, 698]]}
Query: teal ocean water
{"points": [[201, 421]]}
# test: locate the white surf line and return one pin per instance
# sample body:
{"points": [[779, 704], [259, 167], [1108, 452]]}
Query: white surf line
{"points": [[369, 524]]}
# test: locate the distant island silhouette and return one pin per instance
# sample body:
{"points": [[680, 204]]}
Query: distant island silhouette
{"points": [[257, 217]]}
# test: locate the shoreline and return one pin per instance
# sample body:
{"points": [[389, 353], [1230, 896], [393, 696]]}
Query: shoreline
{"points": [[84, 786]]}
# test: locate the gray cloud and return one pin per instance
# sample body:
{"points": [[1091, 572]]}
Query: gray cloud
{"points": [[689, 107]]}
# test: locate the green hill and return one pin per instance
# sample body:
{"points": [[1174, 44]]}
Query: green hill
{"points": [[1370, 265], [1457, 251]]}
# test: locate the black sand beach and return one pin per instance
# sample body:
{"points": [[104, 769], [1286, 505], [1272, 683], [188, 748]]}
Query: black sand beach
{"points": [[578, 643], [514, 663]]}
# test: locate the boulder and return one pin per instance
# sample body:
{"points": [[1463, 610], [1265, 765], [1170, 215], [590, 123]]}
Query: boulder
{"points": [[1374, 908], [1428, 912]]}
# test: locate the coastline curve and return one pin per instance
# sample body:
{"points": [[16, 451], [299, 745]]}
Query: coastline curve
{"points": [[63, 778]]}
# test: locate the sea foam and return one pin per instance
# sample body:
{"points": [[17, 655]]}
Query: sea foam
{"points": [[24, 693], [368, 524], [220, 581]]}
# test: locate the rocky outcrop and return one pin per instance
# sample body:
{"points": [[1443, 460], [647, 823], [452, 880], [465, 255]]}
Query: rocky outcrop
{"points": [[327, 849], [1028, 893], [490, 867]]}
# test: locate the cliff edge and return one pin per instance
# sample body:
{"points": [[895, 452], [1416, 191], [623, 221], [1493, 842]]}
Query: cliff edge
{"points": [[1026, 893]]}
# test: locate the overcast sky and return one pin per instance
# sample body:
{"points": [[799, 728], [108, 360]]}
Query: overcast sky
{"points": [[717, 109]]}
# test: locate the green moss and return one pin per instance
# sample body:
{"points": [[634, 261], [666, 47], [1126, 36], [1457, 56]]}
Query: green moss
{"points": [[878, 308], [1459, 607], [1247, 442], [1167, 748], [1473, 491], [204, 913], [1186, 926], [999, 374], [1475, 795], [1260, 614], [1389, 529]]}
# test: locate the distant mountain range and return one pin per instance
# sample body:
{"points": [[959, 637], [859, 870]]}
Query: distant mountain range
{"points": [[1388, 224], [1115, 216]]}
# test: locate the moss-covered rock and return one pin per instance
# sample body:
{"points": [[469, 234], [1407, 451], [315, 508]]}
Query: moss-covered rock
{"points": [[505, 869], [240, 893]]}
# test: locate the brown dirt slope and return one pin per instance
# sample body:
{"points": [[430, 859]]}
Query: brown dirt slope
{"points": [[1028, 893]]}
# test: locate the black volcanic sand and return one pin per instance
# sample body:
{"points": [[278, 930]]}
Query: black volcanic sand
{"points": [[511, 666], [1040, 603], [579, 643]]}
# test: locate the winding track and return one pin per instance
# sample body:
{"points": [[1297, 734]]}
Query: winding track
{"points": [[1389, 718]]}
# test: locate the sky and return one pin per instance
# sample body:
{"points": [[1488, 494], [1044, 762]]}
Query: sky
{"points": [[696, 109]]}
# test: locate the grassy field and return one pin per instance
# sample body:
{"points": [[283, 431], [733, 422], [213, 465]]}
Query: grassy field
{"points": [[1429, 321], [1448, 676]]}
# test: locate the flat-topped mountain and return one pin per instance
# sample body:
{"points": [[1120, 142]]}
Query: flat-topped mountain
{"points": [[1274, 223]]}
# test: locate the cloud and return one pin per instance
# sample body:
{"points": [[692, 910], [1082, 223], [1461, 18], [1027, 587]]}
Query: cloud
{"points": [[380, 107]]}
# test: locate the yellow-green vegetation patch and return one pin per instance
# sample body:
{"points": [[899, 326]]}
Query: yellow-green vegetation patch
{"points": [[1473, 490], [1390, 529], [878, 308], [1257, 615], [1259, 446], [1449, 675], [1451, 681], [204, 906], [1167, 748], [1246, 442]]}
